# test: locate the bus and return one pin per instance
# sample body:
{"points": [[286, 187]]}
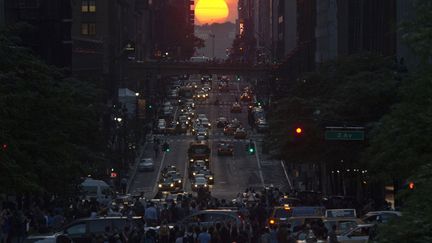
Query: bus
{"points": [[199, 151]]}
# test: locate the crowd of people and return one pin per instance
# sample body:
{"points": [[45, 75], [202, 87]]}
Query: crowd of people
{"points": [[158, 219]]}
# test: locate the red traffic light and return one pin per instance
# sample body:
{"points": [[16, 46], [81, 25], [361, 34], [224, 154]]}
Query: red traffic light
{"points": [[4, 146], [113, 174], [298, 130], [411, 185]]}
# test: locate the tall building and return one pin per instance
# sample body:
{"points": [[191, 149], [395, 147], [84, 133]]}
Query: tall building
{"points": [[346, 27], [92, 38], [50, 20], [173, 29]]}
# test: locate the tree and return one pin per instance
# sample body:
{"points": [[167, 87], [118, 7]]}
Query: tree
{"points": [[350, 91], [49, 122], [415, 223], [417, 32]]}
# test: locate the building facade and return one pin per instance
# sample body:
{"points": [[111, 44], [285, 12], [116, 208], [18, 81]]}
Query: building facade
{"points": [[49, 23]]}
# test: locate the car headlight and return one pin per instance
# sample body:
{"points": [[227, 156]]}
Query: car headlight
{"points": [[196, 185], [187, 122], [171, 185], [191, 160], [206, 160], [205, 185], [160, 185], [178, 123], [211, 177], [179, 181], [194, 173], [189, 118]]}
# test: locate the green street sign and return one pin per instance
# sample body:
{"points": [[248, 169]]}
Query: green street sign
{"points": [[346, 135]]}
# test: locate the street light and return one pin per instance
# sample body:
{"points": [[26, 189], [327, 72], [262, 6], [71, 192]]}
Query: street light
{"points": [[137, 94]]}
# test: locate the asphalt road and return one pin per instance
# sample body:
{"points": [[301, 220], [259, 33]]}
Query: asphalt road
{"points": [[233, 174]]}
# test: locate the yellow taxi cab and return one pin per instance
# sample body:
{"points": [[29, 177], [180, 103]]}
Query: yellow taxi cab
{"points": [[280, 214]]}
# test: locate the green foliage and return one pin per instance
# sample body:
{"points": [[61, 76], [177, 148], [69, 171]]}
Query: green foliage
{"points": [[401, 143], [415, 223], [50, 124], [351, 91], [418, 31]]}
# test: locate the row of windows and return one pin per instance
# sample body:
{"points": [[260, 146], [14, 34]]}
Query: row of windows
{"points": [[88, 29], [88, 6]]}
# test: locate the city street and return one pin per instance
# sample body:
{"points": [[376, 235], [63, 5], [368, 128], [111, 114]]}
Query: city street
{"points": [[233, 174]]}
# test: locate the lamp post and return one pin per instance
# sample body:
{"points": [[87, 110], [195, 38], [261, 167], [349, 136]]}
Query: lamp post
{"points": [[213, 45]]}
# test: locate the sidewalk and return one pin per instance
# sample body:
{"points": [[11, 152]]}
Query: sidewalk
{"points": [[145, 148]]}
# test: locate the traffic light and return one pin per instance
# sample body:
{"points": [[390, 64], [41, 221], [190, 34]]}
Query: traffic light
{"points": [[411, 185], [250, 148], [165, 147], [299, 131]]}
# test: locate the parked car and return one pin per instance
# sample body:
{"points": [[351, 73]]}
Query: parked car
{"points": [[210, 217], [81, 230]]}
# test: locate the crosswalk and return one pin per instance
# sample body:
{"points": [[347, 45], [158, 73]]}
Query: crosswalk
{"points": [[213, 136]]}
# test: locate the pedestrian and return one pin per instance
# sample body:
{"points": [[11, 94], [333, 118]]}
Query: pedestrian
{"points": [[156, 150], [164, 233], [180, 237], [204, 236], [332, 236], [151, 215], [189, 236], [265, 235]]}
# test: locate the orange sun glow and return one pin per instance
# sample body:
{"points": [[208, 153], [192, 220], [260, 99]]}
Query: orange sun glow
{"points": [[211, 11]]}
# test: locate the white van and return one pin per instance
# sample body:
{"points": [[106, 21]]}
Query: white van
{"points": [[96, 189]]}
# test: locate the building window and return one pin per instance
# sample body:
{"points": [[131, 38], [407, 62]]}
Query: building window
{"points": [[280, 19], [88, 29], [88, 6]]}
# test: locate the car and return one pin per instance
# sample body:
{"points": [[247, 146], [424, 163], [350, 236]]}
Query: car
{"points": [[210, 217], [207, 174], [240, 133], [229, 129], [178, 180], [380, 216], [202, 116], [246, 97], [200, 183], [146, 164], [204, 122], [169, 169], [196, 166], [280, 214], [202, 132], [82, 230], [225, 148], [344, 219], [359, 234], [262, 126], [161, 126], [201, 95], [290, 201], [236, 108], [167, 184], [221, 122]]}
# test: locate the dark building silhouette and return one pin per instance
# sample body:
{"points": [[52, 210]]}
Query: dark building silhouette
{"points": [[173, 29], [49, 33]]}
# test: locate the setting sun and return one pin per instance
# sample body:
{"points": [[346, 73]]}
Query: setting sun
{"points": [[211, 11]]}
